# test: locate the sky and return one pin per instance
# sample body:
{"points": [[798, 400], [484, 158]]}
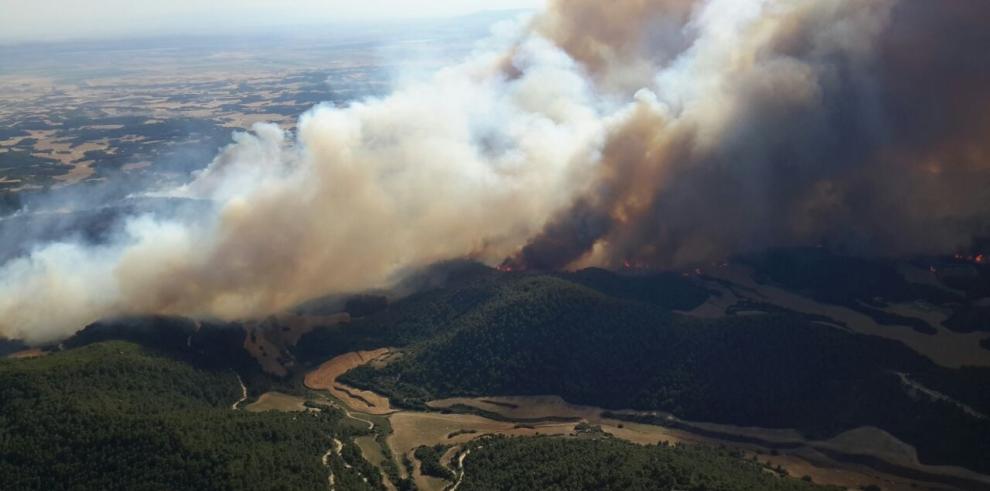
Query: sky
{"points": [[56, 20]]}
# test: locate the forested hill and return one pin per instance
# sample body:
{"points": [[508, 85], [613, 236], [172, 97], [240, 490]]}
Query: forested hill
{"points": [[523, 334], [115, 416], [564, 464], [450, 291]]}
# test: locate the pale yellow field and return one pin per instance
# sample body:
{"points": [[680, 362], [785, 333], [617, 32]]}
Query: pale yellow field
{"points": [[277, 401]]}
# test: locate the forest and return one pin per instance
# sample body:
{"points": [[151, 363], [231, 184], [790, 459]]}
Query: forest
{"points": [[567, 464], [534, 334], [113, 415]]}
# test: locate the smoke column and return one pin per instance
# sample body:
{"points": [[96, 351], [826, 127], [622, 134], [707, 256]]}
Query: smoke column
{"points": [[663, 132]]}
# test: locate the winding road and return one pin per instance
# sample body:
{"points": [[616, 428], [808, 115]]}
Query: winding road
{"points": [[244, 393]]}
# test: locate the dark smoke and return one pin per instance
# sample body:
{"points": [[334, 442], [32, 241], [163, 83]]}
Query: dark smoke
{"points": [[874, 142]]}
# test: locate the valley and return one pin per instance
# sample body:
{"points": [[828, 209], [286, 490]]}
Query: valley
{"points": [[637, 363], [453, 422], [496, 245]]}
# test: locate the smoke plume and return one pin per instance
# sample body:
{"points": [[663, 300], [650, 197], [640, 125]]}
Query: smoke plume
{"points": [[663, 132]]}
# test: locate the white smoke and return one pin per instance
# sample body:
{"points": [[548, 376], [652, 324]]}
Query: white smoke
{"points": [[648, 130], [469, 162]]}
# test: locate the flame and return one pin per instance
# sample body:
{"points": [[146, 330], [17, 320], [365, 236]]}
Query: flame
{"points": [[978, 258]]}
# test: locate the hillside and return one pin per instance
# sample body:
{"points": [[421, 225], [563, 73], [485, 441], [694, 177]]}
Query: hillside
{"points": [[449, 291], [608, 464], [532, 334], [116, 416]]}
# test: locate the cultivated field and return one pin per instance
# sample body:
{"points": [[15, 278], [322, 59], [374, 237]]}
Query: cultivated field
{"points": [[802, 457], [551, 415], [947, 348], [412, 429], [325, 378]]}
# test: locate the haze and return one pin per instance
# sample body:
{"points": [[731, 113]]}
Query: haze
{"points": [[53, 20]]}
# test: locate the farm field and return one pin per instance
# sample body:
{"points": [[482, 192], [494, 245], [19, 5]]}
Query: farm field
{"points": [[325, 378], [534, 416]]}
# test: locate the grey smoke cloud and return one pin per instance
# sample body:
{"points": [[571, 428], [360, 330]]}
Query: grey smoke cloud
{"points": [[662, 132], [858, 124]]}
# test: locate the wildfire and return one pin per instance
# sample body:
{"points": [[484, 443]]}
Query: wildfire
{"points": [[978, 258], [632, 264], [512, 265]]}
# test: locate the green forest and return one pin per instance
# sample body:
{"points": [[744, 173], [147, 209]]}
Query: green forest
{"points": [[533, 334], [104, 414], [115, 416], [567, 464]]}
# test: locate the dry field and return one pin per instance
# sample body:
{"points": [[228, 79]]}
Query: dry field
{"points": [[413, 429], [277, 401], [325, 378], [28, 353], [373, 453], [946, 348], [805, 460], [370, 450]]}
